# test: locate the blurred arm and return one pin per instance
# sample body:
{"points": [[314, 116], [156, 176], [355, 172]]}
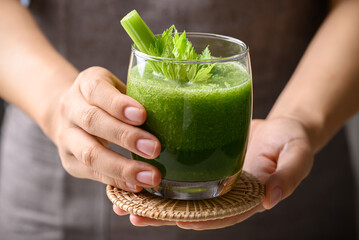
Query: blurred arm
{"points": [[32, 73], [323, 93]]}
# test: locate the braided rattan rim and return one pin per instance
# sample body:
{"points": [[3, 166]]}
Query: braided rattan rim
{"points": [[245, 195]]}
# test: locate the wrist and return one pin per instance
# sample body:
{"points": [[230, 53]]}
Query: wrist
{"points": [[312, 122], [48, 117]]}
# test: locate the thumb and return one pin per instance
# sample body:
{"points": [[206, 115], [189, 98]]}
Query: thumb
{"points": [[294, 164]]}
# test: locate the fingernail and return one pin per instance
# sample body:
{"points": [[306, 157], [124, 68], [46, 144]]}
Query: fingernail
{"points": [[146, 146], [145, 177], [133, 114], [275, 196], [131, 186]]}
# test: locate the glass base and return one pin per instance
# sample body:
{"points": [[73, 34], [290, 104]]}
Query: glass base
{"points": [[193, 190]]}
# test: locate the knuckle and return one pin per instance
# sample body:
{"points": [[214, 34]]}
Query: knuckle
{"points": [[124, 135], [96, 70], [118, 183], [88, 155], [128, 172], [89, 117], [92, 71], [90, 79], [88, 87], [116, 103], [120, 170], [98, 176]]}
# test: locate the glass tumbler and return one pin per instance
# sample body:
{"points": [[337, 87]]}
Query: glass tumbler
{"points": [[203, 127]]}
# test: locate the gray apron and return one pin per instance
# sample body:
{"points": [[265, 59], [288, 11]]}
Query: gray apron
{"points": [[39, 200]]}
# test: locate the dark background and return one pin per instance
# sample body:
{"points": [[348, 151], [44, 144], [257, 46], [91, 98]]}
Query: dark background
{"points": [[323, 206]]}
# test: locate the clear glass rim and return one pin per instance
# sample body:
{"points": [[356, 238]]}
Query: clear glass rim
{"points": [[235, 57]]}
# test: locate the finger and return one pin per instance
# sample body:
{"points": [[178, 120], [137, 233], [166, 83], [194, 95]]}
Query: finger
{"points": [[263, 151], [119, 211], [260, 160], [143, 221], [294, 164], [103, 73], [98, 89], [107, 163], [221, 223], [77, 169], [97, 122], [213, 224]]}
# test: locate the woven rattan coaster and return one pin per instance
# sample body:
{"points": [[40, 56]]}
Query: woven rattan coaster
{"points": [[245, 195]]}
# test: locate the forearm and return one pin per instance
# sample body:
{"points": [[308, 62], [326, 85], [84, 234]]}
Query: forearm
{"points": [[323, 93], [32, 73]]}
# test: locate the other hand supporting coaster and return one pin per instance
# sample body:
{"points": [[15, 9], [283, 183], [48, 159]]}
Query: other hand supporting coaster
{"points": [[245, 195]]}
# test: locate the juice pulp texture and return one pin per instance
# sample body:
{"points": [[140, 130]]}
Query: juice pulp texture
{"points": [[202, 127]]}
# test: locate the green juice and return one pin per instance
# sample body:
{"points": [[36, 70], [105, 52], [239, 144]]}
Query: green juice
{"points": [[202, 127]]}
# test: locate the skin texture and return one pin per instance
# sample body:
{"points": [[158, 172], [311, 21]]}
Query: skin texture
{"points": [[85, 111]]}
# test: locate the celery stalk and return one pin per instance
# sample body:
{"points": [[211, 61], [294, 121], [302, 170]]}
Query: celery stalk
{"points": [[140, 34], [169, 45], [138, 31]]}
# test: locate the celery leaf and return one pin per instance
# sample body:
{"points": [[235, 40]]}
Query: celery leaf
{"points": [[170, 44]]}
